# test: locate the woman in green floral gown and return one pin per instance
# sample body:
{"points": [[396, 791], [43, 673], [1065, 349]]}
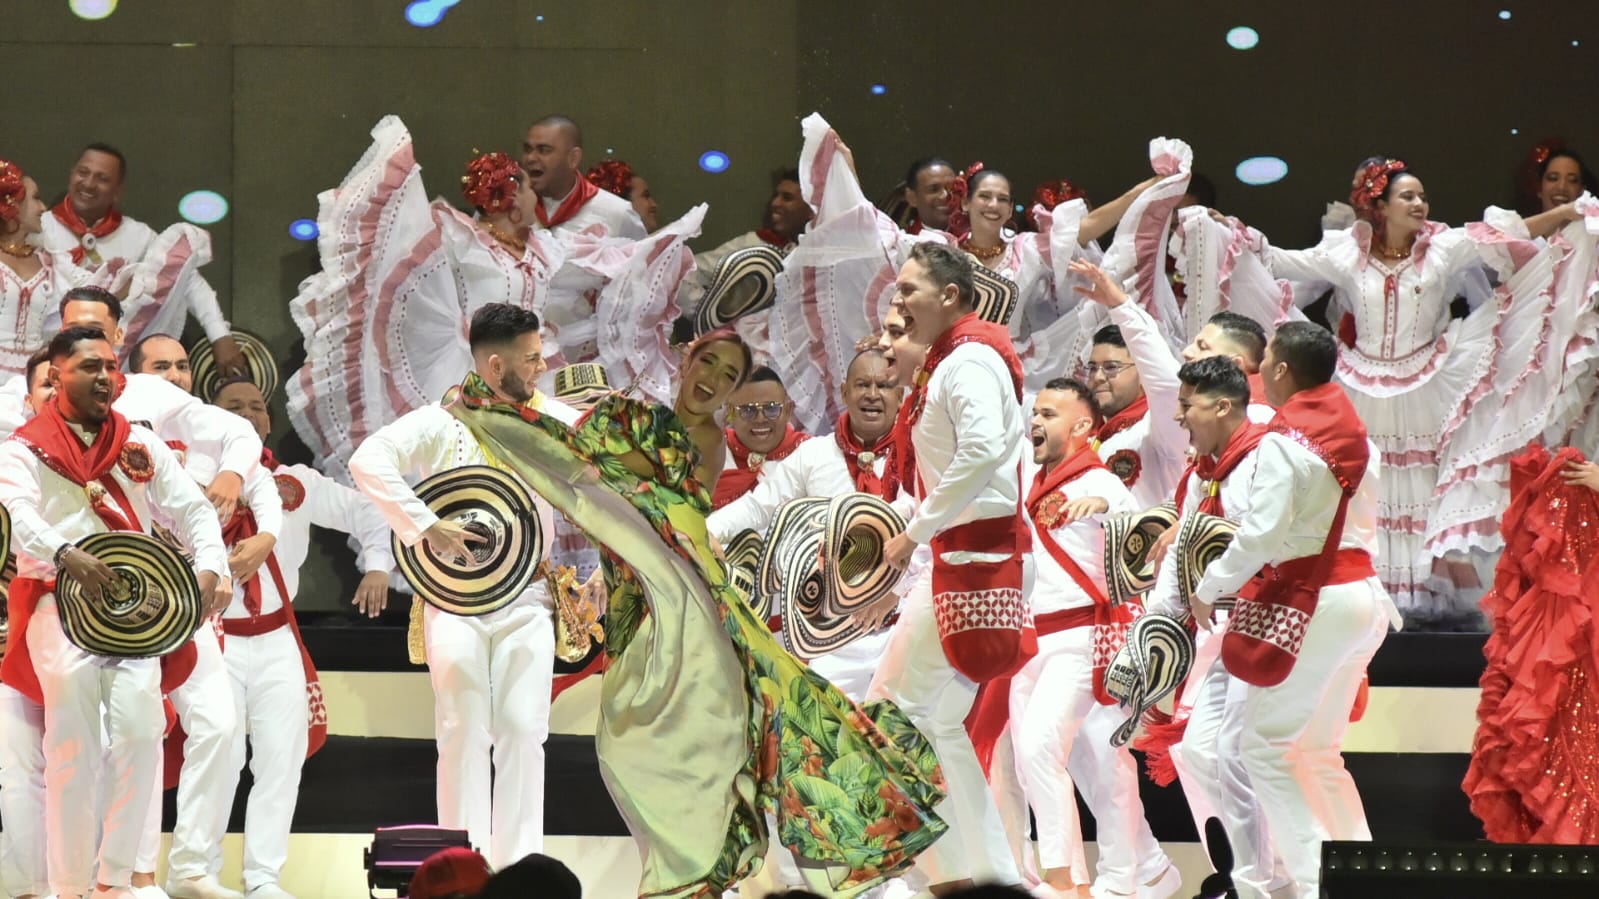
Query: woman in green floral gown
{"points": [[706, 724]]}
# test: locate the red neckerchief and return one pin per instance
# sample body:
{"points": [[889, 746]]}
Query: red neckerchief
{"points": [[68, 217], [740, 479], [967, 329], [773, 238], [1046, 483], [1123, 420], [583, 191], [914, 227], [1215, 469], [53, 441], [861, 459], [1323, 421]]}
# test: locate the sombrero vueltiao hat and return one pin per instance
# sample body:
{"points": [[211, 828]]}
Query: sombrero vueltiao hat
{"points": [[581, 384], [491, 504], [1148, 668], [797, 518], [993, 295], [1129, 538], [262, 368], [153, 608], [859, 526], [745, 283], [1201, 541], [743, 556]]}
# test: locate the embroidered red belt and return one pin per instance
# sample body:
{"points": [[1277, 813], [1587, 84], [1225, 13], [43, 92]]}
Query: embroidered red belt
{"points": [[256, 625], [1348, 566], [1064, 620]]}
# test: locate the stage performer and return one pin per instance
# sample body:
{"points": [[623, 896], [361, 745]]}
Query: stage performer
{"points": [[103, 714], [490, 673], [1302, 642], [760, 432]]}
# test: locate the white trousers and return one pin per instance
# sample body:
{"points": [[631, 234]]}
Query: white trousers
{"points": [[491, 694], [1062, 738], [80, 692], [1211, 771], [23, 868], [267, 677], [1293, 733], [204, 704], [917, 676]]}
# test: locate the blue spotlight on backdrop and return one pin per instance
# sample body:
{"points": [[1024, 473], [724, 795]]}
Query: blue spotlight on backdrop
{"points": [[427, 13], [1504, 15], [714, 161], [1258, 170], [303, 229], [203, 207], [92, 9], [879, 89], [1242, 38]]}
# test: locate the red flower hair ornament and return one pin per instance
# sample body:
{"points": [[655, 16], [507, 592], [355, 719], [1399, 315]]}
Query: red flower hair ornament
{"points": [[12, 192], [1371, 183], [613, 175], [491, 181]]}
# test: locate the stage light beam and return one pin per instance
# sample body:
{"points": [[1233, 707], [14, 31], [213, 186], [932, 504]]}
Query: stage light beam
{"points": [[1261, 170]]}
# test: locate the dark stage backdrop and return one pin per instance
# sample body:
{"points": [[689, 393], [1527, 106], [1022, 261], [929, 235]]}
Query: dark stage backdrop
{"points": [[268, 102]]}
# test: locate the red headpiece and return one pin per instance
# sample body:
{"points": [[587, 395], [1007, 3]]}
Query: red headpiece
{"points": [[1371, 183], [491, 181], [12, 191], [1053, 193], [1531, 176], [959, 189], [613, 175]]}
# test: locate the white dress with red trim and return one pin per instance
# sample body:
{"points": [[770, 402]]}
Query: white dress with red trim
{"points": [[30, 307], [1446, 401]]}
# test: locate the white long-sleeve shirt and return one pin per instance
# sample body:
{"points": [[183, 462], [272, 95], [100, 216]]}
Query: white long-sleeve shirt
{"points": [[1054, 590], [815, 468], [1293, 499], [606, 209], [968, 443], [1159, 442], [1237, 497], [417, 446], [130, 242], [327, 504], [48, 511], [209, 433]]}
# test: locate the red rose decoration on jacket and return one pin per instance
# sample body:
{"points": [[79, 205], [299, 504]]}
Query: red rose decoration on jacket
{"points": [[1126, 465]]}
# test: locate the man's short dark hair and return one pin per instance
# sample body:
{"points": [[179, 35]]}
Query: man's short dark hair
{"points": [[40, 357], [763, 373], [1202, 189], [563, 122], [534, 875], [497, 324], [92, 295], [1110, 335], [1217, 376], [922, 165], [1309, 350], [136, 355], [65, 343], [1243, 331], [781, 175], [946, 266], [107, 149], [1078, 389]]}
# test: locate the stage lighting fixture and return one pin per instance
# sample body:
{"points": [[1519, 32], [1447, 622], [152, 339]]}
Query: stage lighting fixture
{"points": [[1423, 870], [714, 161], [92, 9], [397, 852], [303, 229], [427, 13], [1258, 170], [879, 89], [1243, 38], [203, 207]]}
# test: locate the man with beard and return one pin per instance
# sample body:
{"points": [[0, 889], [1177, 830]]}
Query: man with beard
{"points": [[960, 443], [760, 431], [103, 715], [88, 225], [1061, 717], [491, 673], [552, 156], [852, 460], [1134, 379]]}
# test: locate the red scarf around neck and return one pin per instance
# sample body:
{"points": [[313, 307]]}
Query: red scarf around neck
{"points": [[68, 217], [772, 238], [1123, 420], [1046, 482], [1322, 420], [861, 459], [967, 329], [52, 440], [582, 192], [740, 479], [1215, 469]]}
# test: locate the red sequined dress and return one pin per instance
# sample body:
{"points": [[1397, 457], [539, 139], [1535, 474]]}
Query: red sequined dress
{"points": [[1534, 774]]}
